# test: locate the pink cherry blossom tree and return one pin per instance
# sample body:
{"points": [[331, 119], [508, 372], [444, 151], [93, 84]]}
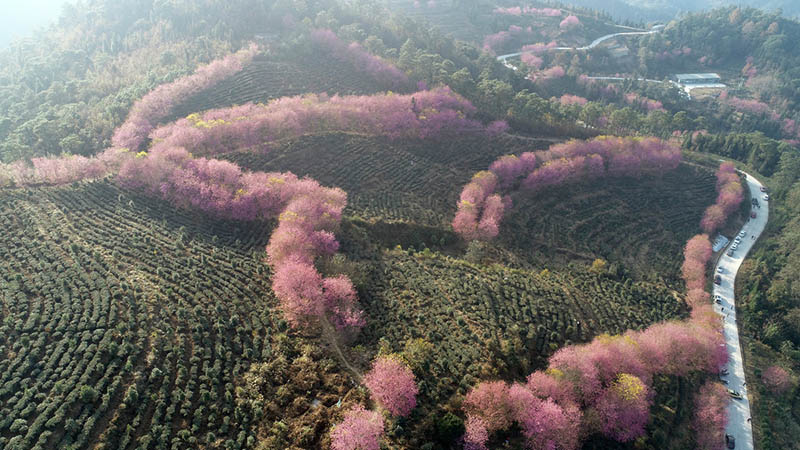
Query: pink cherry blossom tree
{"points": [[476, 435], [490, 402], [695, 258], [569, 23], [391, 384], [624, 408], [777, 379], [731, 194], [360, 430], [710, 416]]}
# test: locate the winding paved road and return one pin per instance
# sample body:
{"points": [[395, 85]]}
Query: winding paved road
{"points": [[738, 410], [595, 43]]}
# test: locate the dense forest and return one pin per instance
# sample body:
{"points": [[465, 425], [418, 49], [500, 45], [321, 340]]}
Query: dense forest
{"points": [[268, 224]]}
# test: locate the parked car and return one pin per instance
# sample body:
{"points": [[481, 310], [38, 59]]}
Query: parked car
{"points": [[766, 197], [730, 252], [720, 269], [753, 215], [763, 189], [717, 299], [717, 279], [742, 234], [734, 394], [723, 371], [730, 441]]}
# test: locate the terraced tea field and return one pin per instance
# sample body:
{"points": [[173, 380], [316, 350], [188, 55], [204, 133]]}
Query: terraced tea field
{"points": [[450, 19], [418, 184], [141, 322], [411, 181], [267, 78], [640, 223], [128, 318]]}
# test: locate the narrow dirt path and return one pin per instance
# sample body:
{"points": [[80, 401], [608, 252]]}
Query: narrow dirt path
{"points": [[330, 335]]}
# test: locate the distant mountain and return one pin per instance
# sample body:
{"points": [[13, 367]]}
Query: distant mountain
{"points": [[652, 10]]}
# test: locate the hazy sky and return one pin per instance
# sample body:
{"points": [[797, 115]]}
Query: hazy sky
{"points": [[21, 17]]}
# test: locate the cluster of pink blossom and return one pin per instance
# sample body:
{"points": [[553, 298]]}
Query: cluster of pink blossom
{"points": [[777, 379], [496, 41], [730, 196], [673, 54], [481, 206], [530, 54], [62, 169], [479, 209], [643, 102], [308, 213], [584, 80], [696, 255], [158, 103], [552, 73], [568, 99], [360, 430], [381, 70], [538, 47], [422, 114], [710, 416], [392, 386], [608, 379], [569, 23], [532, 61], [790, 128], [705, 61], [494, 406], [527, 10], [748, 106], [749, 70], [596, 88]]}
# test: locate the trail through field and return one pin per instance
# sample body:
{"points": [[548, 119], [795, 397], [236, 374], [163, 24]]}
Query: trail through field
{"points": [[331, 336], [739, 425]]}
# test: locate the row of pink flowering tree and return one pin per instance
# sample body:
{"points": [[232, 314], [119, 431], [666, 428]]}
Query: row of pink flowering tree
{"points": [[730, 195], [528, 10], [146, 113], [485, 198], [431, 113], [424, 114], [605, 386], [696, 255], [158, 103], [308, 214]]}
